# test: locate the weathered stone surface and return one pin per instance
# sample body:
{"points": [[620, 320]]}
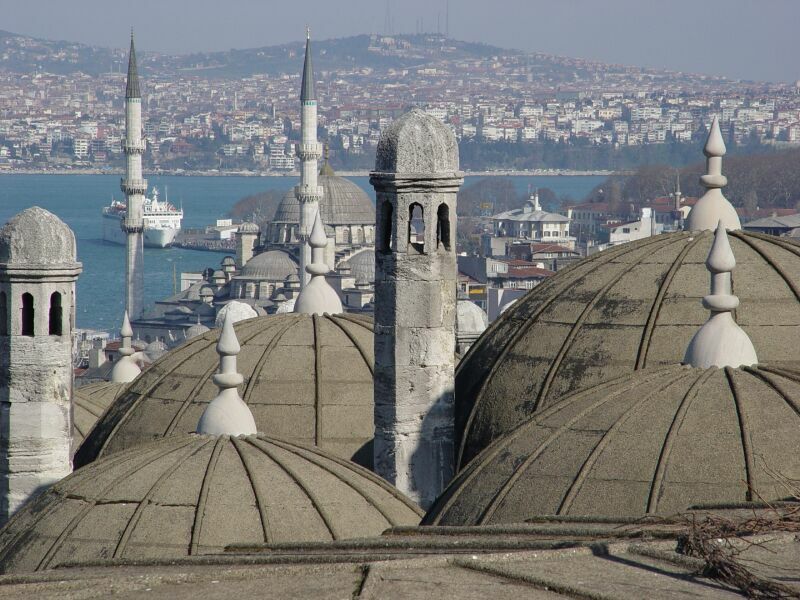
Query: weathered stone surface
{"points": [[36, 237], [618, 311], [417, 143]]}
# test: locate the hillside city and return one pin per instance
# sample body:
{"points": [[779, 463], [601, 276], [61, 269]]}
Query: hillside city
{"points": [[61, 106]]}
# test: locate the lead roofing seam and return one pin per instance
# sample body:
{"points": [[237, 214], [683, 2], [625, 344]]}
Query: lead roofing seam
{"points": [[202, 499], [744, 432], [364, 354], [317, 370], [291, 320], [765, 255], [259, 497]]}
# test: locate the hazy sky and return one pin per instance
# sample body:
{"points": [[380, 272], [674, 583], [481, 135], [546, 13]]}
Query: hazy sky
{"points": [[751, 39]]}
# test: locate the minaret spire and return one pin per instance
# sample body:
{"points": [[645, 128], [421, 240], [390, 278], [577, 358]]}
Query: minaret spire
{"points": [[720, 342], [318, 297], [308, 193], [713, 207], [125, 369], [134, 187]]}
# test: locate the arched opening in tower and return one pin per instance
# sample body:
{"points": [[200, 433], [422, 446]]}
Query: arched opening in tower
{"points": [[443, 226], [56, 314], [416, 228], [386, 227], [27, 314]]}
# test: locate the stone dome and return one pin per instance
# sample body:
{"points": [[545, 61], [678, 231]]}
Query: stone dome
{"points": [[89, 402], [629, 307], [307, 379], [656, 441], [273, 265], [196, 494], [240, 310], [36, 236], [362, 265], [155, 350], [343, 203], [417, 143], [470, 318], [195, 330], [249, 227]]}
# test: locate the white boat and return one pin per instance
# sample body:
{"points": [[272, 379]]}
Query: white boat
{"points": [[162, 222]]}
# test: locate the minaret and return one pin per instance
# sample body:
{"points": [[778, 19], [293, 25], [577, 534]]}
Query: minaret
{"points": [[416, 179], [38, 270], [134, 187], [713, 207], [720, 342], [308, 193], [318, 297]]}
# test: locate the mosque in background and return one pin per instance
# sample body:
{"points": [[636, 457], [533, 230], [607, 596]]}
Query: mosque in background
{"points": [[318, 452]]}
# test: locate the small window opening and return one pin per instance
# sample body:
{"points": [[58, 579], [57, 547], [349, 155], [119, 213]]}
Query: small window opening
{"points": [[386, 227], [416, 228], [3, 314], [56, 314], [27, 314], [443, 227]]}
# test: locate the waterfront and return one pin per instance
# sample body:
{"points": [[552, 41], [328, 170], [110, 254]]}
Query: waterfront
{"points": [[78, 200]]}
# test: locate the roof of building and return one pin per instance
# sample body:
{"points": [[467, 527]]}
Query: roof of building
{"points": [[775, 222], [471, 320], [36, 236], [657, 441], [196, 494], [623, 309], [343, 203], [273, 265], [89, 402], [308, 379], [533, 216], [362, 265]]}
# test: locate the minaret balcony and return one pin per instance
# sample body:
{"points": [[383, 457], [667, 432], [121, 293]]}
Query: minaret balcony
{"points": [[307, 193], [309, 151], [133, 186], [135, 148]]}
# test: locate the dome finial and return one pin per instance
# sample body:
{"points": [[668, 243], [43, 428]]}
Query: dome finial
{"points": [[227, 414], [720, 342], [318, 297], [126, 369], [713, 207]]}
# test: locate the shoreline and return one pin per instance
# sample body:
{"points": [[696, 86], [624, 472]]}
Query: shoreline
{"points": [[492, 173]]}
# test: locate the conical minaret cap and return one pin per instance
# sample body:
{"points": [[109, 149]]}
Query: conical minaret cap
{"points": [[720, 342], [713, 207], [227, 414], [132, 87], [307, 91], [318, 297], [126, 369]]}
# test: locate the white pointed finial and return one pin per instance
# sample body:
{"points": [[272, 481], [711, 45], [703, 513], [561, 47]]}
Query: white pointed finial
{"points": [[720, 342], [713, 207], [227, 414], [318, 297], [126, 369], [308, 32]]}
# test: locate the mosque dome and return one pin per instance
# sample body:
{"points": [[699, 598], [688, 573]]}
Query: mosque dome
{"points": [[195, 330], [273, 265], [362, 265], [240, 311], [307, 379], [155, 350], [89, 402], [656, 441], [196, 494], [249, 227], [37, 236], [631, 306], [417, 143], [343, 203], [471, 320]]}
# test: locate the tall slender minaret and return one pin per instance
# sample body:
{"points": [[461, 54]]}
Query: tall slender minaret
{"points": [[308, 193], [134, 186]]}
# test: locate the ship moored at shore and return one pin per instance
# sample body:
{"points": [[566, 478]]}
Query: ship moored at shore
{"points": [[162, 222]]}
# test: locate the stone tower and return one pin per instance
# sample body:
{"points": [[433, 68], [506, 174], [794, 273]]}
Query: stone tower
{"points": [[416, 179], [134, 187], [246, 242], [308, 193], [38, 270]]}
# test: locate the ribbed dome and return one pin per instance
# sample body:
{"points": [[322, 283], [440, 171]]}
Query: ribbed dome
{"points": [[622, 309], [274, 265], [196, 494], [38, 237], [307, 379], [362, 265], [89, 402], [655, 441], [343, 203]]}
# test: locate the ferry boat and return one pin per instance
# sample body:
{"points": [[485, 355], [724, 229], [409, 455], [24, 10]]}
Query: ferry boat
{"points": [[162, 222]]}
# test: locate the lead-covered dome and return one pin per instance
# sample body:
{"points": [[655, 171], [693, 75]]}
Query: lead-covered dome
{"points": [[36, 236], [196, 494], [273, 265], [307, 379], [343, 203], [623, 309], [657, 441], [89, 402]]}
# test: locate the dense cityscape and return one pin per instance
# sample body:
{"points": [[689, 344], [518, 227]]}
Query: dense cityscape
{"points": [[237, 111]]}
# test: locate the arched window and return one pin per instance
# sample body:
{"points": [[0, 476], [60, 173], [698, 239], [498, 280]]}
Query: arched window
{"points": [[416, 228], [56, 314], [27, 314], [386, 227], [3, 314], [443, 227]]}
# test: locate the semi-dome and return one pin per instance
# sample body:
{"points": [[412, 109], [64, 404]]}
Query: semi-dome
{"points": [[273, 265], [656, 441], [36, 236], [343, 203], [196, 494], [307, 379], [417, 143], [89, 402], [629, 307]]}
